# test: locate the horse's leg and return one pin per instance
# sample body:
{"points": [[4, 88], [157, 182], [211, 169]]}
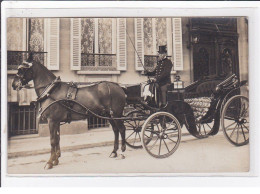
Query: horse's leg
{"points": [[57, 147], [53, 125], [121, 127], [116, 142]]}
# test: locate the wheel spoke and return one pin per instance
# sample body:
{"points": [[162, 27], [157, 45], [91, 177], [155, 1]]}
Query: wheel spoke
{"points": [[230, 125], [154, 144], [233, 131], [229, 118], [172, 140], [237, 134], [243, 133], [130, 135], [199, 126], [160, 146], [204, 129], [166, 145], [171, 132], [245, 127], [209, 126], [130, 123], [147, 136], [135, 138], [158, 127], [139, 135]]}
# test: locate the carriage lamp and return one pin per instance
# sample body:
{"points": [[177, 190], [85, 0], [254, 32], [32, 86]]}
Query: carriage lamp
{"points": [[195, 38], [178, 84]]}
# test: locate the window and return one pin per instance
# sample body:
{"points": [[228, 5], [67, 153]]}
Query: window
{"points": [[98, 44], [150, 33], [37, 35]]}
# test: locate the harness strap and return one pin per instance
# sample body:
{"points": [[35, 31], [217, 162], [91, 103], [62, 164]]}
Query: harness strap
{"points": [[48, 89]]}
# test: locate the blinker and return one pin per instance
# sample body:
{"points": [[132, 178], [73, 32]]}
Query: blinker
{"points": [[25, 65]]}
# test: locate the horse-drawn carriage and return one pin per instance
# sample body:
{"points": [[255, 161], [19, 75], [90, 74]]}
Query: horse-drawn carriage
{"points": [[201, 107]]}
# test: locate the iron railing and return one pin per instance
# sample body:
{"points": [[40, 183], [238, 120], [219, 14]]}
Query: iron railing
{"points": [[22, 120], [16, 58], [150, 61], [91, 61], [94, 122]]}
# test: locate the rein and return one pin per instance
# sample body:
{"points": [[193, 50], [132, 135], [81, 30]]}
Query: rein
{"points": [[87, 110]]}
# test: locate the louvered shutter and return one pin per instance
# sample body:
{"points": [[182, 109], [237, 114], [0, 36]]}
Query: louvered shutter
{"points": [[75, 44], [53, 58], [121, 44], [177, 44], [139, 45]]}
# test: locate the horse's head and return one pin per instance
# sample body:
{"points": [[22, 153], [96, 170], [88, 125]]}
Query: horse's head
{"points": [[23, 76]]}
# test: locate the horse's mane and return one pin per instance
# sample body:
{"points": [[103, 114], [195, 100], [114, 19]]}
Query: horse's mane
{"points": [[44, 69]]}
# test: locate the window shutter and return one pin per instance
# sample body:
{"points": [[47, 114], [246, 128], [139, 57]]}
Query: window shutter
{"points": [[53, 58], [75, 44], [121, 44], [139, 46], [177, 44]]}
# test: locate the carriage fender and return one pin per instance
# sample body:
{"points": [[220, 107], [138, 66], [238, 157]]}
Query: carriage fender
{"points": [[184, 113]]}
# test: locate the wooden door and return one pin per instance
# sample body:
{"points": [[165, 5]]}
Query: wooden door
{"points": [[215, 51]]}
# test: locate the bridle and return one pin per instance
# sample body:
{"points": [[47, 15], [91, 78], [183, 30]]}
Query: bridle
{"points": [[26, 66]]}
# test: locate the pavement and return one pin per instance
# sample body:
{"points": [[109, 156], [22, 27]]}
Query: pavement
{"points": [[29, 145]]}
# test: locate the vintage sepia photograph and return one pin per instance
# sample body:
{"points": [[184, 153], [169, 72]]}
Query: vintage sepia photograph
{"points": [[104, 95]]}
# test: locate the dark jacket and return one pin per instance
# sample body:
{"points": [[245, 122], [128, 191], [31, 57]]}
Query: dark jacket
{"points": [[162, 72]]}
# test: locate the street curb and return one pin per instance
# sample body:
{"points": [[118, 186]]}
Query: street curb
{"points": [[65, 149]]}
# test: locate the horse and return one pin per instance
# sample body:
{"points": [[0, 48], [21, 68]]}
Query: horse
{"points": [[103, 98]]}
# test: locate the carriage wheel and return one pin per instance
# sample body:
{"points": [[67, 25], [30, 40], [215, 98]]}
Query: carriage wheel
{"points": [[161, 134], [204, 129], [133, 130], [235, 120]]}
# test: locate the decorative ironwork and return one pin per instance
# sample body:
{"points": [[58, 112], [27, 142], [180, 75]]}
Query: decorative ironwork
{"points": [[150, 61], [16, 58], [106, 62]]}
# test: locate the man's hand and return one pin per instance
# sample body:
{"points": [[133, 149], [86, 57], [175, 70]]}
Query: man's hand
{"points": [[151, 80]]}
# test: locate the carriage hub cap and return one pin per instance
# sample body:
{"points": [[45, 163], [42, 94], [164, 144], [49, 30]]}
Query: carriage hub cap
{"points": [[241, 121], [162, 135]]}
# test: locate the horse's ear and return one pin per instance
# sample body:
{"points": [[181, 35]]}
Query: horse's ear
{"points": [[30, 58]]}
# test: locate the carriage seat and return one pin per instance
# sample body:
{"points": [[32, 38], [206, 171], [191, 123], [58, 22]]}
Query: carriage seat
{"points": [[207, 88]]}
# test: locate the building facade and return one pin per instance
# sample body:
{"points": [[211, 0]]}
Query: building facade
{"points": [[116, 49]]}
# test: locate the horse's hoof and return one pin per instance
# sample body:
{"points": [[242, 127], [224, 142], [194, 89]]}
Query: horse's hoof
{"points": [[48, 166], [113, 155], [122, 156], [56, 162]]}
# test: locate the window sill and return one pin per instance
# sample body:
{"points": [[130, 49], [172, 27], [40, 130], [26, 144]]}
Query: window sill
{"points": [[81, 72], [172, 72], [11, 72]]}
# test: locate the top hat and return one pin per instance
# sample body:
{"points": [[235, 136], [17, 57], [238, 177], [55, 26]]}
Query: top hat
{"points": [[162, 49]]}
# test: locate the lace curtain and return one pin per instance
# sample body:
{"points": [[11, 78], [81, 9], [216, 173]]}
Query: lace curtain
{"points": [[105, 35], [148, 36], [160, 34], [87, 35], [14, 34], [36, 38]]}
